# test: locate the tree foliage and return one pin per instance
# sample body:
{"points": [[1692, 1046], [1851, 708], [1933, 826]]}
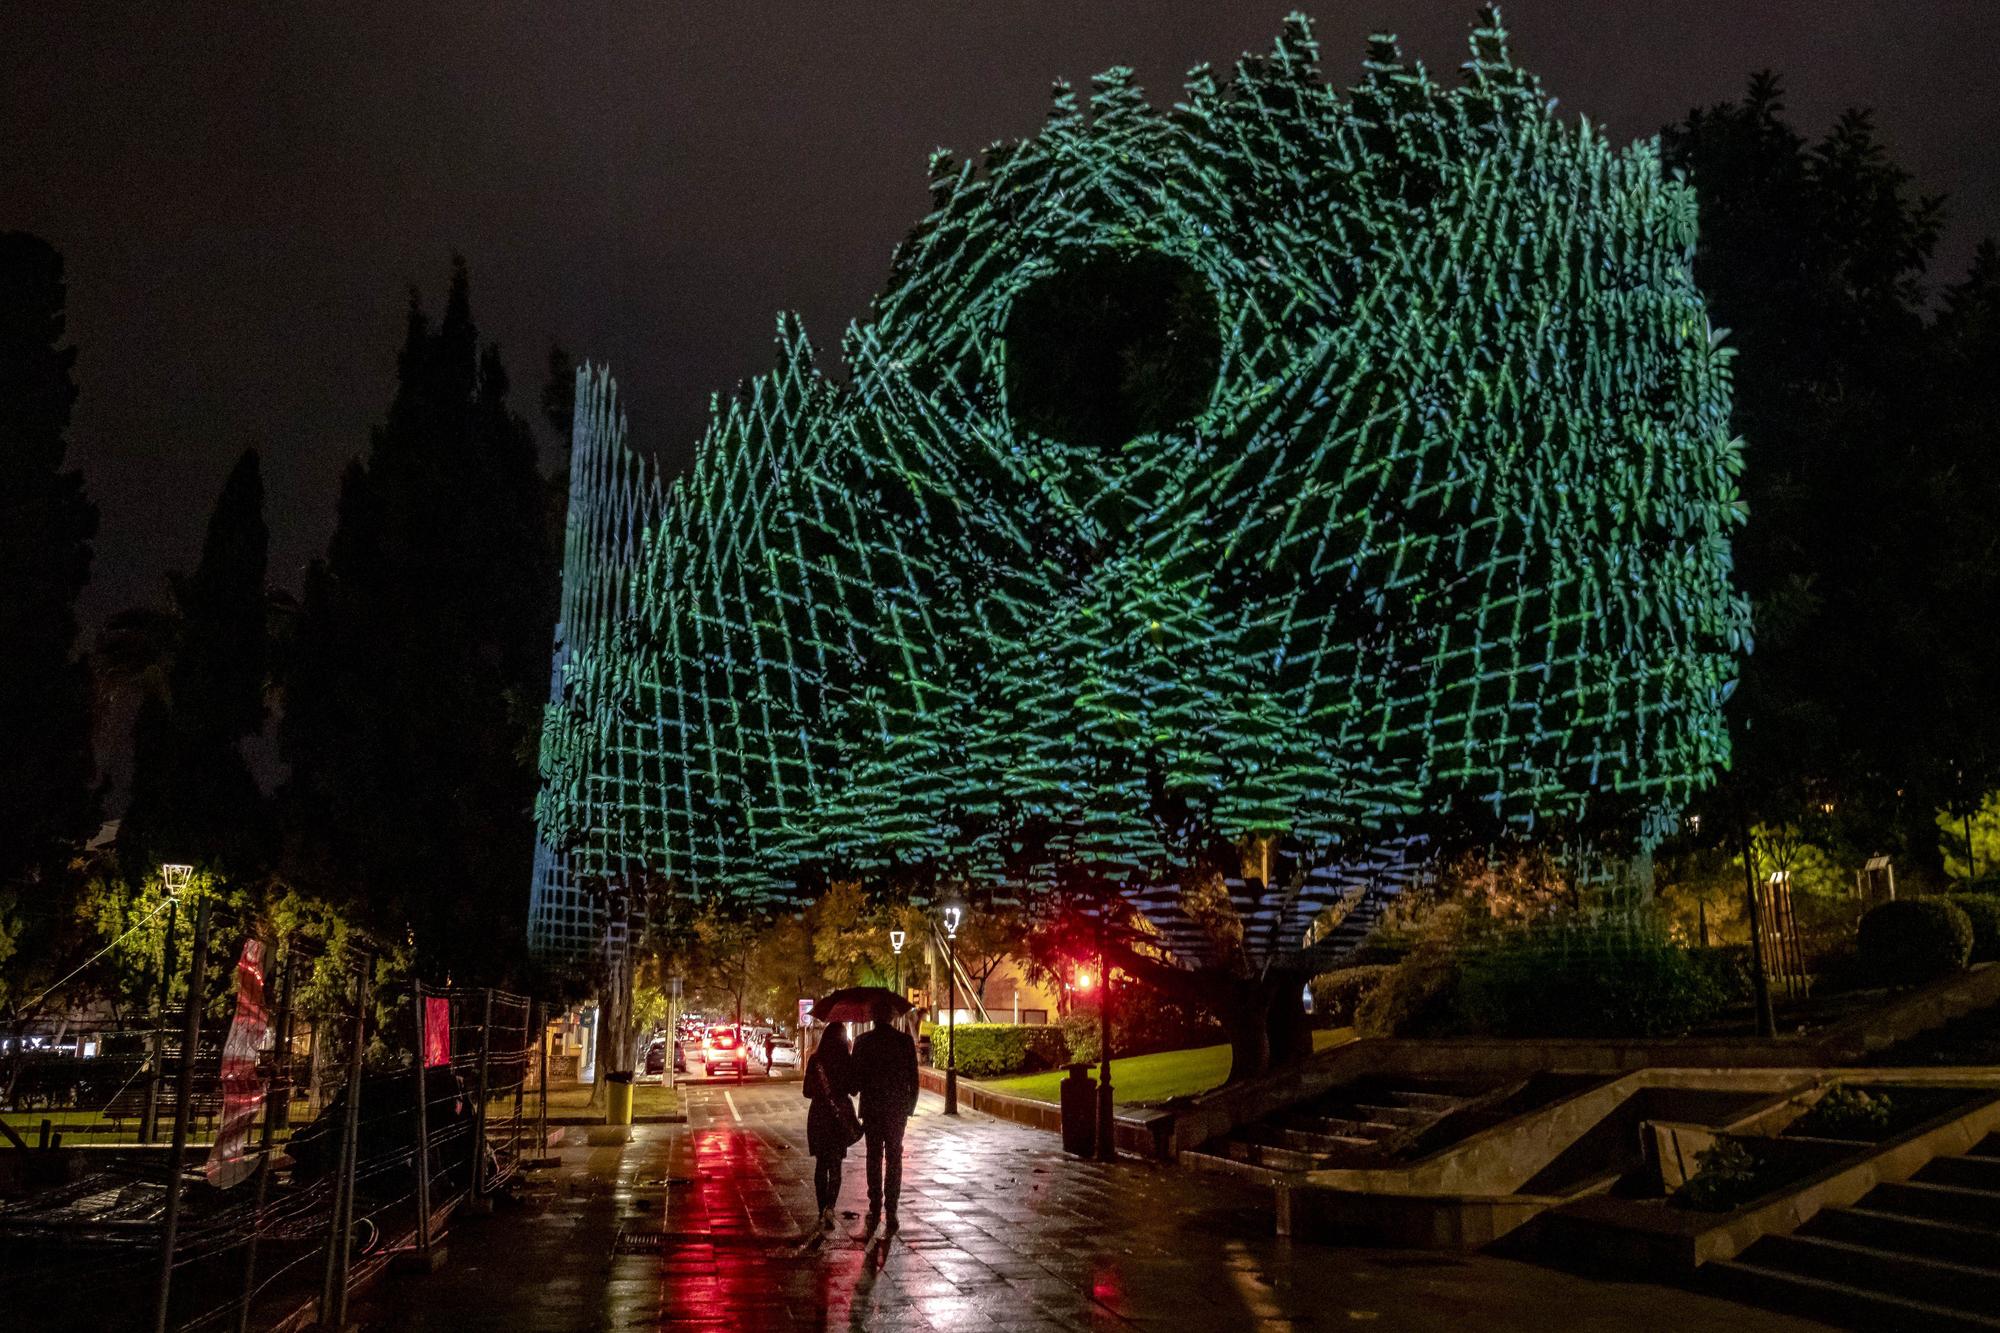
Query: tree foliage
{"points": [[48, 803], [422, 656]]}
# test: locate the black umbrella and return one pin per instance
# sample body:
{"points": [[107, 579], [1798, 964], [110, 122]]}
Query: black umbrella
{"points": [[858, 1004]]}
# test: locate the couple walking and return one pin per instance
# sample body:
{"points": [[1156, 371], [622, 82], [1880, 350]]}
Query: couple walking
{"points": [[882, 1067]]}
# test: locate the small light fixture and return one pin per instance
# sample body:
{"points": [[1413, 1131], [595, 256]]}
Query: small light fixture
{"points": [[176, 877], [896, 938], [951, 916]]}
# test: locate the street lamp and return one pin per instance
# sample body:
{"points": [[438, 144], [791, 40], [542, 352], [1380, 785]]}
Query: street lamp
{"points": [[951, 919], [896, 938], [176, 877]]}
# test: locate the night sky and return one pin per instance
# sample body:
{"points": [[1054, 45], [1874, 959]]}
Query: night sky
{"points": [[244, 193]]}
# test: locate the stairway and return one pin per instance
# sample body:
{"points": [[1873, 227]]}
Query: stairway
{"points": [[1920, 1254], [1361, 1124]]}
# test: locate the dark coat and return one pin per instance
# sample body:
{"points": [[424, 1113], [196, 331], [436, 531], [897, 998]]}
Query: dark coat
{"points": [[885, 1069], [828, 1081]]}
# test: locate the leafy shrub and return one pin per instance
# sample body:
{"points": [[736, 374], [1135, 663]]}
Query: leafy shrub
{"points": [[1728, 968], [1141, 1023], [1725, 1176], [1587, 982], [990, 1050], [1913, 940], [1416, 997], [1338, 994], [1983, 911], [1846, 1113]]}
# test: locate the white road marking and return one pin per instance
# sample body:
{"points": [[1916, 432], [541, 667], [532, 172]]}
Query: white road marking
{"points": [[730, 1098]]}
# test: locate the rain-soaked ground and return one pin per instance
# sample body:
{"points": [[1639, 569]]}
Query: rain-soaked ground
{"points": [[701, 1226]]}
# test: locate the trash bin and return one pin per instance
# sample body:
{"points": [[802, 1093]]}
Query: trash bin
{"points": [[1079, 1111], [618, 1098]]}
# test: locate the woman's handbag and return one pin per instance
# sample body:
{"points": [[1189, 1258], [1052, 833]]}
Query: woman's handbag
{"points": [[850, 1123]]}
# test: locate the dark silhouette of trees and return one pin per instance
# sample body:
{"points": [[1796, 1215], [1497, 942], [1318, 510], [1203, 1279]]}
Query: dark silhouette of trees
{"points": [[48, 800], [414, 693], [194, 798], [1869, 555]]}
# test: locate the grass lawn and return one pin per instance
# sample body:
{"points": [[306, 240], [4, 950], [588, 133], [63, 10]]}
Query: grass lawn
{"points": [[1154, 1078]]}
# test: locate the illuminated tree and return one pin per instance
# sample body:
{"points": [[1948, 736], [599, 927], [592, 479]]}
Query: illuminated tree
{"points": [[1218, 499]]}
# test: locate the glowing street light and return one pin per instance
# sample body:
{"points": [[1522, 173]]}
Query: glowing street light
{"points": [[952, 916], [896, 938], [176, 877]]}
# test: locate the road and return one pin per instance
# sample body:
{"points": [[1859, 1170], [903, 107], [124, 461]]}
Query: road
{"points": [[704, 1226]]}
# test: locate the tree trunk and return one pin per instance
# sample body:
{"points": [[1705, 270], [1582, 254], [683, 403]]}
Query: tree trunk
{"points": [[1249, 1041]]}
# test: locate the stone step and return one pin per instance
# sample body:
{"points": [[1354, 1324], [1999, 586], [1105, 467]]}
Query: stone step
{"points": [[1407, 1116], [1838, 1302], [1973, 1173], [1953, 1241], [1365, 1131], [1906, 1276], [1314, 1141], [1266, 1155], [1439, 1102], [1942, 1203]]}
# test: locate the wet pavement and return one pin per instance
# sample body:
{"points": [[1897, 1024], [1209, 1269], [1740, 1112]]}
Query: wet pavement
{"points": [[704, 1226]]}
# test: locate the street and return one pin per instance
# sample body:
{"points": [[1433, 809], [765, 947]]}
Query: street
{"points": [[702, 1226]]}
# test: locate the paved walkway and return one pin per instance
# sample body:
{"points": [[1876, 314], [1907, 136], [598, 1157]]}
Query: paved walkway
{"points": [[699, 1227]]}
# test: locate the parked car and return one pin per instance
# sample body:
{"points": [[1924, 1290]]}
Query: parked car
{"points": [[722, 1052], [784, 1054]]}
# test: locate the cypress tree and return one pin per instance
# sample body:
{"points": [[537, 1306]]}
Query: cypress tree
{"points": [[412, 706], [48, 801], [193, 796]]}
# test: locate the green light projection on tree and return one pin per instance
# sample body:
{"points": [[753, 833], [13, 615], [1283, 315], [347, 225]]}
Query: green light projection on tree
{"points": [[1276, 466]]}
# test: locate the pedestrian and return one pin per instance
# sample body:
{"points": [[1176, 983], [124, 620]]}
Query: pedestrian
{"points": [[831, 1126], [768, 1038], [885, 1069]]}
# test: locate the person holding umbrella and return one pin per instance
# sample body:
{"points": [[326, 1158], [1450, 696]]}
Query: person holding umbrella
{"points": [[831, 1126], [885, 1068]]}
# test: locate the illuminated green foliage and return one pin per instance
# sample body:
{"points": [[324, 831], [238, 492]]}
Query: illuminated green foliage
{"points": [[1417, 498]]}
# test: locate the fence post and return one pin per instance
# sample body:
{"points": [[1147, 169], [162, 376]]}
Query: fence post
{"points": [[271, 1094], [340, 1229], [177, 1156], [479, 1128], [542, 1042], [423, 1129], [521, 1081]]}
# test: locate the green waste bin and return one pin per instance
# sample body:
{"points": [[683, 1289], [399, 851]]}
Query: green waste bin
{"points": [[618, 1099]]}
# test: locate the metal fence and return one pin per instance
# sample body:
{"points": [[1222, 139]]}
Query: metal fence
{"points": [[320, 1202]]}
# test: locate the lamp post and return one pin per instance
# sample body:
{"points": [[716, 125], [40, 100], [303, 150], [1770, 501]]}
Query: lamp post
{"points": [[951, 918], [896, 938], [173, 878]]}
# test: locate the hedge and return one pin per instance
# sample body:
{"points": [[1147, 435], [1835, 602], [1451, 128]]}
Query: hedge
{"points": [[990, 1050], [1337, 995], [1983, 911], [1914, 940], [1574, 982]]}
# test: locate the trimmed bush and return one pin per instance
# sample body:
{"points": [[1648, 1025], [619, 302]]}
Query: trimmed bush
{"points": [[1983, 911], [1415, 999], [1142, 1022], [1914, 940], [1338, 994], [1728, 969], [991, 1050], [1587, 983]]}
